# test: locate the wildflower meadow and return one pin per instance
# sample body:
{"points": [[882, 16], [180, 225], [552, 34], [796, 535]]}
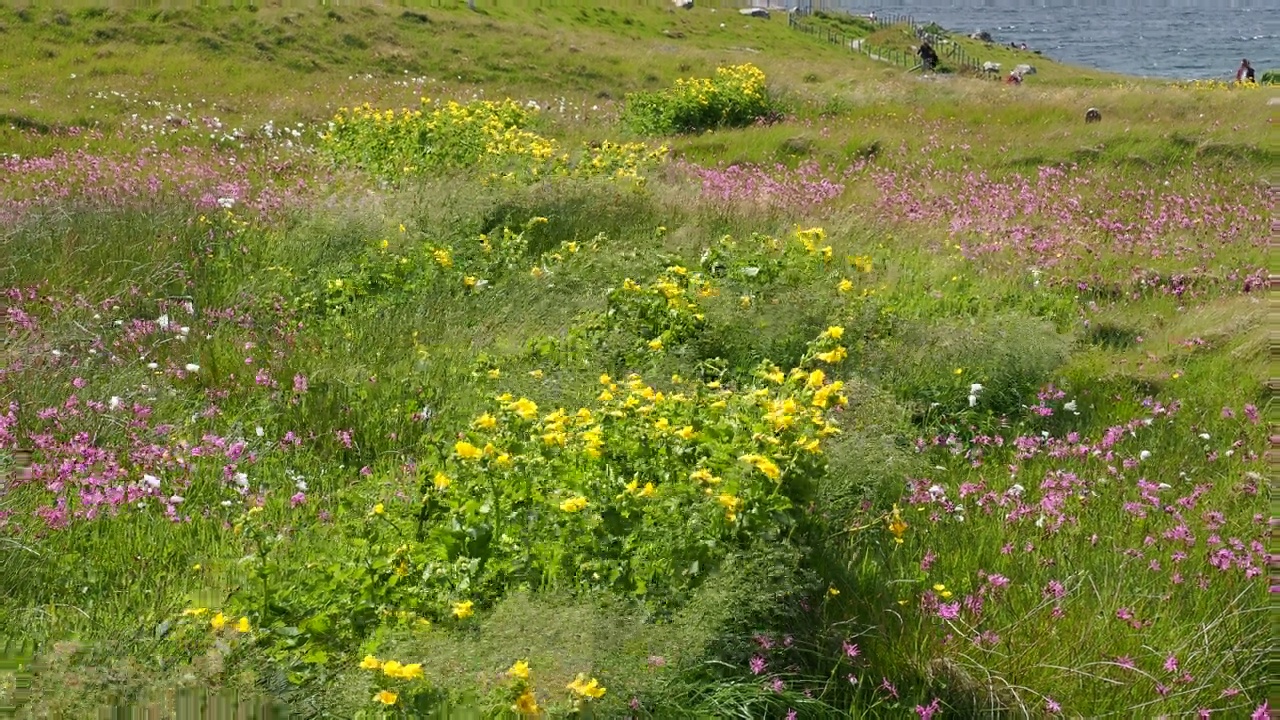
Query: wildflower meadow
{"points": [[354, 368]]}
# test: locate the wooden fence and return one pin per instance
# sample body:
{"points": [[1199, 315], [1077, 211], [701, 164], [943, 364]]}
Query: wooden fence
{"points": [[956, 56]]}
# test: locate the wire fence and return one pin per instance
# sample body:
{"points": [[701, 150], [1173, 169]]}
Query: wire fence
{"points": [[958, 59]]}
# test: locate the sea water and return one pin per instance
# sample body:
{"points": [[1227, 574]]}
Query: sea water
{"points": [[1159, 38]]}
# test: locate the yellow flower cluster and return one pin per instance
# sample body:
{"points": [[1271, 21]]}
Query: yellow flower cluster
{"points": [[586, 688], [1218, 85], [393, 668], [479, 133], [219, 620]]}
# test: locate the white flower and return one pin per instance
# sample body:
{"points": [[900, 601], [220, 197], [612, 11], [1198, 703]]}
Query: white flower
{"points": [[937, 491], [56, 353], [976, 388], [1070, 407], [114, 402], [151, 481], [226, 503], [1204, 436], [973, 400], [184, 330], [192, 367], [751, 271], [176, 499], [227, 202], [163, 322], [301, 485], [1017, 490], [241, 479], [1144, 454], [152, 366], [259, 431], [1164, 486]]}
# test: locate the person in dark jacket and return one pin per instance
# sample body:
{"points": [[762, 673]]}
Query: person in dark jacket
{"points": [[928, 56], [1245, 73]]}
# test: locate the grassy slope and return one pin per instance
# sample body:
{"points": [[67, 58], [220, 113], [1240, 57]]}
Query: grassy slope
{"points": [[234, 64]]}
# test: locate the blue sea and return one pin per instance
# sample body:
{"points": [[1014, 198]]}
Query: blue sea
{"points": [[1171, 38]]}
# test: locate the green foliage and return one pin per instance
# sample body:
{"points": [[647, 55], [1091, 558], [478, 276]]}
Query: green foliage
{"points": [[481, 134], [1269, 77], [735, 97]]}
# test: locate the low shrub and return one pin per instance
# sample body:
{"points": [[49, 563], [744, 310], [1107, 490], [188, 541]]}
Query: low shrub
{"points": [[482, 134], [735, 97]]}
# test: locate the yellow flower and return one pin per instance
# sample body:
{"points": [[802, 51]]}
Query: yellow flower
{"points": [[704, 475], [686, 432], [535, 374], [834, 356], [958, 371], [218, 621], [486, 422], [370, 663], [378, 509], [835, 332], [386, 697], [897, 526], [527, 703], [832, 591], [243, 626], [443, 257], [655, 344], [463, 610], [519, 669], [945, 594], [525, 408], [470, 281], [846, 285], [816, 378], [392, 668], [586, 688], [605, 380], [730, 502], [494, 374], [574, 504], [775, 376], [197, 612], [939, 587], [763, 464], [467, 451], [862, 264], [441, 481], [648, 491]]}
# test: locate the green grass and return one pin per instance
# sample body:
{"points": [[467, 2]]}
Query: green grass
{"points": [[1097, 282]]}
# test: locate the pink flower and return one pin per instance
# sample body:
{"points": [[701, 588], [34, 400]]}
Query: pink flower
{"points": [[949, 611], [297, 499], [1171, 663], [1052, 706], [300, 383], [889, 688], [851, 649], [757, 665], [927, 712], [1263, 712]]}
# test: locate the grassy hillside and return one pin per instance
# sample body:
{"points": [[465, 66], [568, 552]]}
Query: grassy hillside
{"points": [[394, 361]]}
